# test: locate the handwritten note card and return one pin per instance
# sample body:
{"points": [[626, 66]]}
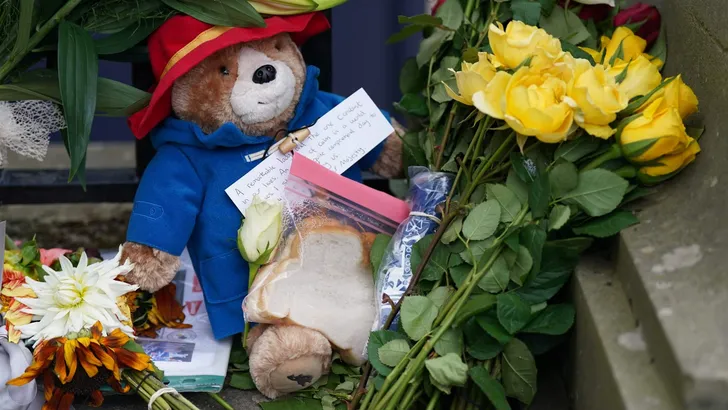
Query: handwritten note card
{"points": [[338, 140]]}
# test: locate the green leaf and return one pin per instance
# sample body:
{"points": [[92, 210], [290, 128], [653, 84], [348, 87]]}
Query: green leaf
{"points": [[119, 99], [539, 196], [413, 154], [430, 45], [475, 305], [226, 13], [411, 79], [424, 20], [447, 371], [491, 387], [547, 7], [489, 322], [347, 386], [128, 37], [556, 268], [533, 238], [377, 340], [379, 246], [393, 352], [479, 344], [440, 295], [659, 49], [513, 312], [476, 250], [452, 231], [510, 206], [554, 320], [577, 52], [526, 11], [559, 216], [524, 167], [519, 372], [565, 25], [25, 25], [521, 266], [436, 266], [598, 192], [515, 184], [78, 70], [577, 149], [242, 381], [482, 221], [459, 274], [607, 225], [571, 247], [451, 13], [450, 342], [418, 313], [404, 34], [497, 278], [563, 178], [413, 104]]}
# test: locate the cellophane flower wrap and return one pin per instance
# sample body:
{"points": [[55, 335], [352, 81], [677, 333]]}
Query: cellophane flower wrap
{"points": [[427, 193], [321, 276]]}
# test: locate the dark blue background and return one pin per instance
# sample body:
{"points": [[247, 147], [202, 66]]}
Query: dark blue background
{"points": [[361, 57]]}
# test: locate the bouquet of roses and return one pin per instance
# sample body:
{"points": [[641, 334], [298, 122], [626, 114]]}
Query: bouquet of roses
{"points": [[75, 311], [551, 126]]}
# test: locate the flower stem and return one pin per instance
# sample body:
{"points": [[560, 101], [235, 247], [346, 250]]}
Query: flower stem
{"points": [[614, 153], [484, 167], [252, 272], [220, 401], [479, 137], [443, 143], [434, 400], [16, 58]]}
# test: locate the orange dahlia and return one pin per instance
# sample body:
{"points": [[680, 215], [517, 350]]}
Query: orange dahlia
{"points": [[12, 287], [81, 366]]}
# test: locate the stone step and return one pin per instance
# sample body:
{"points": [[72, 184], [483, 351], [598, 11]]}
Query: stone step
{"points": [[672, 265], [611, 367]]}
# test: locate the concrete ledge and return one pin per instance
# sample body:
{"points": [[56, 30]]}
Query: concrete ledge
{"points": [[69, 225], [611, 366], [673, 264]]}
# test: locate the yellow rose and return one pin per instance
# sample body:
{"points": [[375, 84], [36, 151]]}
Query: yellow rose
{"points": [[596, 55], [657, 132], [669, 165], [678, 95], [632, 45], [520, 41], [472, 78], [597, 98], [642, 76], [533, 102]]}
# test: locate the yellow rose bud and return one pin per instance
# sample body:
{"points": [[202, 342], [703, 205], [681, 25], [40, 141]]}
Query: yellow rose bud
{"points": [[520, 41], [669, 165], [631, 44], [532, 102], [657, 132], [472, 78], [641, 77], [678, 95], [597, 98]]}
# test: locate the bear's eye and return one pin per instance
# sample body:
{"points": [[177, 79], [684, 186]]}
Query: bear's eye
{"points": [[224, 70]]}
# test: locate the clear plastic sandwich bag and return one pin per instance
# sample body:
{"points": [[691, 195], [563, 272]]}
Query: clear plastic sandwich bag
{"points": [[427, 191], [320, 276]]}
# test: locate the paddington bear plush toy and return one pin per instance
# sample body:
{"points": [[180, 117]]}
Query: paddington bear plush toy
{"points": [[223, 93]]}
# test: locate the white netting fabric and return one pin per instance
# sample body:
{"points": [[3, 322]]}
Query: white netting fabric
{"points": [[26, 126]]}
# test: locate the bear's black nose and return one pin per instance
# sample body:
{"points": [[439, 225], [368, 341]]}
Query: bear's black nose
{"points": [[264, 74]]}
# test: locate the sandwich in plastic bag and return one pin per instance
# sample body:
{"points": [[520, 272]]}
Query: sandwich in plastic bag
{"points": [[321, 276]]}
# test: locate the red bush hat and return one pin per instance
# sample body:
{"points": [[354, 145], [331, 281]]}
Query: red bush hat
{"points": [[182, 42]]}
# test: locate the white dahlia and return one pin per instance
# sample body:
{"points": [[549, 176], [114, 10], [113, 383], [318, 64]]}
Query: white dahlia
{"points": [[73, 299]]}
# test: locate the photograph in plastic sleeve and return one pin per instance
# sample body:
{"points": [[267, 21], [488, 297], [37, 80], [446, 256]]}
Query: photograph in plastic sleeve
{"points": [[321, 276]]}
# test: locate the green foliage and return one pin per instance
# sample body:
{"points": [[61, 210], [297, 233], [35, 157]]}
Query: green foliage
{"points": [[519, 371], [377, 251], [418, 314]]}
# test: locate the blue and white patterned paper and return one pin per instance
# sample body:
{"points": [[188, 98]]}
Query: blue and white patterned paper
{"points": [[427, 191]]}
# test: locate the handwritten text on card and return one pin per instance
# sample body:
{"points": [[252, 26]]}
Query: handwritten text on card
{"points": [[338, 140]]}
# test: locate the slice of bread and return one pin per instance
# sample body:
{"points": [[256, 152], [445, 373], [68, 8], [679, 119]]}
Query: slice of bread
{"points": [[326, 284]]}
